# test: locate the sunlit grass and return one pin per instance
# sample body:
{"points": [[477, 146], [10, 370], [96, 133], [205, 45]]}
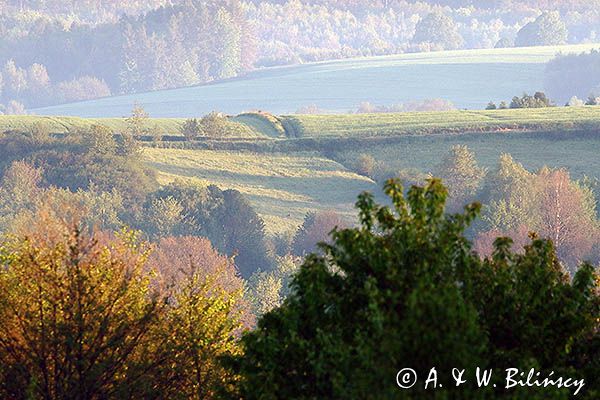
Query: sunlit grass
{"points": [[391, 124], [283, 188]]}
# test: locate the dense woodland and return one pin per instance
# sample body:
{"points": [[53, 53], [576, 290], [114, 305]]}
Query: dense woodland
{"points": [[92, 309], [55, 52]]}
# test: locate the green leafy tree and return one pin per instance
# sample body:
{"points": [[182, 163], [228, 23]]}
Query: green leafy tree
{"points": [[439, 30], [226, 218], [405, 289], [538, 100], [228, 51], [191, 129], [547, 30], [460, 171], [507, 192]]}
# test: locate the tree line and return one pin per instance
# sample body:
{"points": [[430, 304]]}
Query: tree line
{"points": [[108, 49]]}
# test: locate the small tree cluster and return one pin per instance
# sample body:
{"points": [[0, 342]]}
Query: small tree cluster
{"points": [[547, 202]]}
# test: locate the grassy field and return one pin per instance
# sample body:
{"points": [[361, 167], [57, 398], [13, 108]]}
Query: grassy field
{"points": [[24, 123], [468, 78], [576, 152], [282, 187], [239, 127], [393, 124]]}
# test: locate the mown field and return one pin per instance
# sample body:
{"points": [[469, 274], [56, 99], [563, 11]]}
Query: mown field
{"points": [[468, 78], [154, 127], [577, 152], [282, 187], [394, 124], [25, 123]]}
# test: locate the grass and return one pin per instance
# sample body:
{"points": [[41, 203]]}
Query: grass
{"points": [[24, 123], [235, 129], [265, 123], [282, 187], [576, 152], [468, 78], [394, 124]]}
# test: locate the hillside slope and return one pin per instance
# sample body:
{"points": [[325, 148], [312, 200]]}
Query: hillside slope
{"points": [[468, 78]]}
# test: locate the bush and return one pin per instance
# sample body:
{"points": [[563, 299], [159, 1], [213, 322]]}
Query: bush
{"points": [[366, 165], [190, 129]]}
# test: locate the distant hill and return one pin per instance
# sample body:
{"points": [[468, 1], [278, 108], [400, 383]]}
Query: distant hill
{"points": [[468, 78]]}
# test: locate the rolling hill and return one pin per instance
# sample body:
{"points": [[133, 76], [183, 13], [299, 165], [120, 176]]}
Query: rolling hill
{"points": [[468, 78], [290, 165]]}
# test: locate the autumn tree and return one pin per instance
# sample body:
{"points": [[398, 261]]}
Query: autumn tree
{"points": [[315, 229], [173, 257], [567, 215], [547, 202], [90, 316], [205, 316], [76, 315], [20, 192], [100, 140]]}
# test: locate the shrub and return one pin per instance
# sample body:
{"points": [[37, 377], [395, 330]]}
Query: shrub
{"points": [[190, 129], [366, 165]]}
